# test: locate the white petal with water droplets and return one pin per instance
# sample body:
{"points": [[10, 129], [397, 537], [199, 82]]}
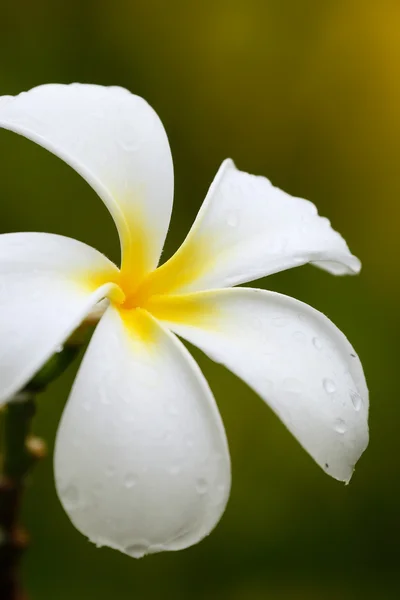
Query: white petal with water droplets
{"points": [[116, 141], [141, 457], [293, 357], [44, 296], [247, 229]]}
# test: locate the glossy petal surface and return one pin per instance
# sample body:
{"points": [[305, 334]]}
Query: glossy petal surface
{"points": [[300, 364], [48, 285], [247, 229], [116, 141], [141, 458]]}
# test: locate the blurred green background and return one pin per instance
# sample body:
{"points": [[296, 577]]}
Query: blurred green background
{"points": [[306, 92]]}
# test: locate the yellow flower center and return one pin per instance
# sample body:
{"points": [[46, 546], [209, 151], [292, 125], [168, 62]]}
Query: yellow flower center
{"points": [[158, 292]]}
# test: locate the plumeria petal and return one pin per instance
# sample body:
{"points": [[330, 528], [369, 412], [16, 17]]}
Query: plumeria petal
{"points": [[117, 143], [292, 356], [141, 459], [247, 229], [48, 284]]}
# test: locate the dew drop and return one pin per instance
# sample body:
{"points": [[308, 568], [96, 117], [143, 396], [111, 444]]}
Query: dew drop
{"points": [[340, 426], [356, 400], [233, 219], [129, 481], [317, 343], [329, 386], [201, 485], [137, 550], [299, 337]]}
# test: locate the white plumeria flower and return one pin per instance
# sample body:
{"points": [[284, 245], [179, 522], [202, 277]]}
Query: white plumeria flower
{"points": [[141, 460]]}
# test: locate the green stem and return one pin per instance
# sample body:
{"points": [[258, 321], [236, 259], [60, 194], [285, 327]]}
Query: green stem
{"points": [[20, 451], [19, 456], [18, 415]]}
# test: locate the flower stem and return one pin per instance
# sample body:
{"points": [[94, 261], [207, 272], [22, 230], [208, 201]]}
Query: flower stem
{"points": [[20, 451]]}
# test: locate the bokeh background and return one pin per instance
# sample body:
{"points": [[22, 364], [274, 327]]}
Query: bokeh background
{"points": [[307, 93]]}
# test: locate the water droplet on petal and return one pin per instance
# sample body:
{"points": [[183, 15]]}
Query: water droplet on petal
{"points": [[201, 485], [137, 550], [130, 481], [340, 426], [356, 400], [329, 386], [317, 343]]}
